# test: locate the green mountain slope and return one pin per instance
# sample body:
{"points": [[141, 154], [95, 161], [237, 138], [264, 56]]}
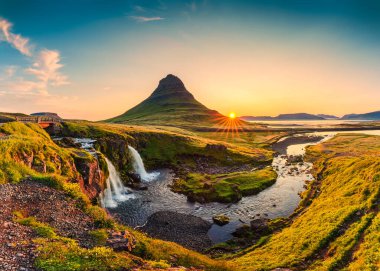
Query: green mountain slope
{"points": [[170, 104]]}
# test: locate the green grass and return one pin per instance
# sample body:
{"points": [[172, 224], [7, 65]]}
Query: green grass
{"points": [[29, 151], [348, 169], [225, 187], [57, 253], [161, 147], [367, 256]]}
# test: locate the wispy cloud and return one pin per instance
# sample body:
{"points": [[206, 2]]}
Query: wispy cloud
{"points": [[46, 68], [15, 40], [39, 76], [143, 19]]}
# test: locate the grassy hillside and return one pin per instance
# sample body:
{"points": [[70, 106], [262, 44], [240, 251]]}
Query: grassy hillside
{"points": [[27, 150], [170, 147], [57, 252], [8, 117], [339, 229]]}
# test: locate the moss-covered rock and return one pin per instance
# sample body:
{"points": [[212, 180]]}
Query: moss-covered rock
{"points": [[221, 220]]}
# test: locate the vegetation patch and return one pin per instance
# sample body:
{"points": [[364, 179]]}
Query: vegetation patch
{"points": [[225, 187], [328, 231]]}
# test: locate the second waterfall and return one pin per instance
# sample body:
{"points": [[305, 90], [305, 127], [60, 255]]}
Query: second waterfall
{"points": [[115, 190], [139, 168]]}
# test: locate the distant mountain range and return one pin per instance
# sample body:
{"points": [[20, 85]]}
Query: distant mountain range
{"points": [[295, 116], [367, 116], [305, 116]]}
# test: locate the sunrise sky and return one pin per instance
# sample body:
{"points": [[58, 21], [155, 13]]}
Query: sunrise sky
{"points": [[96, 59]]}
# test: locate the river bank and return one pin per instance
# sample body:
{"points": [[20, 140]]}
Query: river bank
{"points": [[279, 200]]}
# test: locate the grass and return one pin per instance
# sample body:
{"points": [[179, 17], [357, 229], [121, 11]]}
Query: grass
{"points": [[29, 151], [57, 253], [367, 256], [163, 147], [225, 187], [325, 234]]}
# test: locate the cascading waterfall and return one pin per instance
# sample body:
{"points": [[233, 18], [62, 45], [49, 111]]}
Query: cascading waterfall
{"points": [[115, 191], [139, 168]]}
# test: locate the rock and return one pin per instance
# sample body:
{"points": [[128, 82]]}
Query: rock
{"points": [[242, 231], [68, 142], [221, 220], [135, 177], [92, 181], [295, 159], [260, 225], [121, 241]]}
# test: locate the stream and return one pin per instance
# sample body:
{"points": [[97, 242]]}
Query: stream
{"points": [[279, 200]]}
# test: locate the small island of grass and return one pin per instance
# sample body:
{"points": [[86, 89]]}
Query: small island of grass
{"points": [[224, 188]]}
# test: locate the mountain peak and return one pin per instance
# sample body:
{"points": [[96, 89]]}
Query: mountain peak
{"points": [[168, 85], [169, 103], [171, 80]]}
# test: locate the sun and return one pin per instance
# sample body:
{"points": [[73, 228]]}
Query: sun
{"points": [[232, 115]]}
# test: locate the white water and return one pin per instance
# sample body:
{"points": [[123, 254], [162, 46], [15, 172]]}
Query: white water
{"points": [[138, 166], [115, 191]]}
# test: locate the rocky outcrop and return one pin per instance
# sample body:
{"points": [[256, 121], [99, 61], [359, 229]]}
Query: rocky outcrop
{"points": [[121, 241], [92, 179], [116, 150], [260, 225]]}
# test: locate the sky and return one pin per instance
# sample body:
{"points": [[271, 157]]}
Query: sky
{"points": [[94, 59]]}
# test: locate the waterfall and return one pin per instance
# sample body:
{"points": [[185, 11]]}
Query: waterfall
{"points": [[138, 166], [115, 190]]}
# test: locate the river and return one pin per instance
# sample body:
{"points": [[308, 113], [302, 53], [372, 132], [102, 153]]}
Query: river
{"points": [[279, 200]]}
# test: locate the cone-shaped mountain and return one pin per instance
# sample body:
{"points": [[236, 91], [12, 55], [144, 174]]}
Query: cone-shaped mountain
{"points": [[169, 104]]}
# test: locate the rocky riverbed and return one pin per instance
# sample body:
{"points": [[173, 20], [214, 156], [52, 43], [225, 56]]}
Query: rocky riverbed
{"points": [[187, 230]]}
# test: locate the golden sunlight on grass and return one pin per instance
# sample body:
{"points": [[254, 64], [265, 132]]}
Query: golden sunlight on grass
{"points": [[229, 126]]}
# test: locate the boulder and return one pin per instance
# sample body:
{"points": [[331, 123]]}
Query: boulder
{"points": [[121, 241], [221, 220], [260, 225]]}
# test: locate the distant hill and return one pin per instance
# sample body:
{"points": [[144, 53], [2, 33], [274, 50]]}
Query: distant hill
{"points": [[327, 116], [169, 104], [367, 116], [8, 117], [295, 116]]}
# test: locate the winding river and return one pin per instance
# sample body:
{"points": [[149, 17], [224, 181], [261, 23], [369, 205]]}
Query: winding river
{"points": [[280, 200]]}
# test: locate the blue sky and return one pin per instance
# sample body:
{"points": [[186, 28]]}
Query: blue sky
{"points": [[94, 59]]}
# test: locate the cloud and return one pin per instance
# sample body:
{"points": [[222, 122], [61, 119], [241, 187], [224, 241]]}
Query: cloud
{"points": [[143, 19], [17, 41], [7, 72], [46, 68]]}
